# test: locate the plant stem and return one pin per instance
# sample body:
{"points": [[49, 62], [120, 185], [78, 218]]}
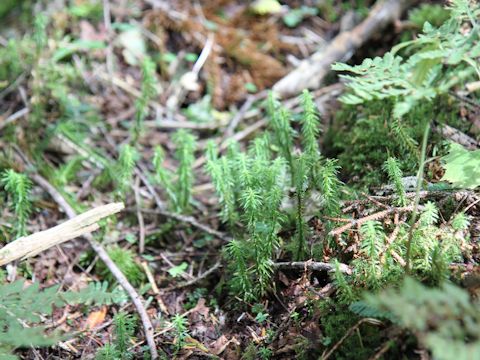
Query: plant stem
{"points": [[417, 196]]}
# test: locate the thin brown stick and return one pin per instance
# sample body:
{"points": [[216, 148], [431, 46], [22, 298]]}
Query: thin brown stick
{"points": [[181, 218], [310, 265], [377, 216], [103, 255], [348, 334], [141, 222], [385, 347], [311, 72], [229, 131], [214, 268]]}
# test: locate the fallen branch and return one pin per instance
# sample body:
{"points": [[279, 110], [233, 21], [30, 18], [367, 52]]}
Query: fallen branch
{"points": [[350, 331], [140, 171], [214, 268], [376, 216], [311, 265], [103, 255], [311, 72], [457, 136], [28, 246]]}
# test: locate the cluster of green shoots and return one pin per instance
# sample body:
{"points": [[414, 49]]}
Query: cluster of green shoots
{"points": [[383, 257], [254, 185]]}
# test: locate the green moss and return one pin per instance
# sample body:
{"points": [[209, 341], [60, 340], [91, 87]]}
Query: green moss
{"points": [[363, 137]]}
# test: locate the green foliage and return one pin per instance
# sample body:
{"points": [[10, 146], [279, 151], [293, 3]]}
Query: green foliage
{"points": [[330, 186], [164, 176], [462, 167], [221, 173], [345, 292], [282, 131], [125, 260], [68, 171], [186, 145], [295, 16], [461, 221], [123, 171], [22, 308], [179, 194], [18, 187], [124, 328], [148, 93], [434, 14], [373, 238], [252, 190], [443, 57], [180, 331], [97, 294], [444, 319], [395, 175]]}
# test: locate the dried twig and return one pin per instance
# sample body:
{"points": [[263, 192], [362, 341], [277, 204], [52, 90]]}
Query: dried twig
{"points": [[311, 265], [457, 136], [15, 116], [214, 268], [376, 216], [313, 70], [103, 255], [141, 222], [229, 131], [349, 333], [181, 218], [28, 246]]}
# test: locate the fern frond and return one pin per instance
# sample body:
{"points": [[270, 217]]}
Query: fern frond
{"points": [[345, 291], [372, 239], [429, 215], [461, 221]]}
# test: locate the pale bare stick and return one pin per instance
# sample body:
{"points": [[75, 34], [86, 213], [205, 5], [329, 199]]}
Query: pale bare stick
{"points": [[28, 246], [103, 255], [312, 71]]}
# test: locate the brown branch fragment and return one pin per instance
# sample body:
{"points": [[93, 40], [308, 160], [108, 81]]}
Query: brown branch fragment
{"points": [[214, 268], [457, 136], [310, 265], [311, 72], [348, 334], [376, 216]]}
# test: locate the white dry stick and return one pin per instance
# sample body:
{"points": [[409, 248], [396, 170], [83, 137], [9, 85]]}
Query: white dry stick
{"points": [[28, 246], [312, 71]]}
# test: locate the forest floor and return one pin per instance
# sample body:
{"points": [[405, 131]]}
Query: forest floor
{"points": [[214, 61]]}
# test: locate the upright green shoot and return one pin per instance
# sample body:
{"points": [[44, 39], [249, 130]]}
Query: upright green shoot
{"points": [[185, 154], [124, 169], [417, 197], [148, 93], [395, 175], [18, 187]]}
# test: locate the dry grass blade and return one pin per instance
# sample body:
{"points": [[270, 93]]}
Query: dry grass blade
{"points": [[28, 246]]}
